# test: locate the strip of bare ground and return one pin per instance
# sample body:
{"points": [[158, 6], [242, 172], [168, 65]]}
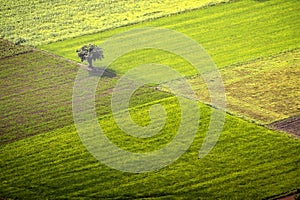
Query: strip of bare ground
{"points": [[290, 125], [291, 195]]}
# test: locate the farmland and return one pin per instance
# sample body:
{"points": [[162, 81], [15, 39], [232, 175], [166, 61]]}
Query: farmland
{"points": [[230, 40], [8, 49], [249, 162], [38, 94], [264, 29], [255, 45], [252, 92], [32, 95], [39, 21]]}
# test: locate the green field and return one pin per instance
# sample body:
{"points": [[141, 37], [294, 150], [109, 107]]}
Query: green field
{"points": [[231, 33], [255, 45], [38, 94], [230, 39], [248, 162], [40, 21]]}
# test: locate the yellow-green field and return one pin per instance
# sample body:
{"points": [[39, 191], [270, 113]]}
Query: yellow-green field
{"points": [[41, 21], [263, 90]]}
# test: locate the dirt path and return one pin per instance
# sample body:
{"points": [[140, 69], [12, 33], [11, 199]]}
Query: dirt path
{"points": [[291, 195], [290, 125]]}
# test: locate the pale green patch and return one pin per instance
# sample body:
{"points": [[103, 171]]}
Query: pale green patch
{"points": [[265, 90]]}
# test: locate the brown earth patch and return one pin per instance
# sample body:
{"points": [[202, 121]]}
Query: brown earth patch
{"points": [[291, 195], [290, 125]]}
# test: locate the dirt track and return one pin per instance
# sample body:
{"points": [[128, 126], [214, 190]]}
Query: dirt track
{"points": [[290, 125]]}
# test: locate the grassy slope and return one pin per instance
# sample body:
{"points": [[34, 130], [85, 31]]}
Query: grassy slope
{"points": [[231, 33], [41, 21], [265, 90], [248, 162]]}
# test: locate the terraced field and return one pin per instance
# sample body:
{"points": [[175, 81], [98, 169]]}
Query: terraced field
{"points": [[254, 43]]}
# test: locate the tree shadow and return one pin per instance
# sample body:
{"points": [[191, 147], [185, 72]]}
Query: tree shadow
{"points": [[96, 71]]}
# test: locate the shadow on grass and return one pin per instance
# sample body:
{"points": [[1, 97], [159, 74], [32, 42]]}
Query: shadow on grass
{"points": [[96, 71]]}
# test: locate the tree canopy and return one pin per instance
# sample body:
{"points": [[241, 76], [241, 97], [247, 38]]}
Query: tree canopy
{"points": [[90, 53]]}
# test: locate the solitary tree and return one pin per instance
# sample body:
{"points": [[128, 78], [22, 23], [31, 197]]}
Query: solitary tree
{"points": [[90, 53]]}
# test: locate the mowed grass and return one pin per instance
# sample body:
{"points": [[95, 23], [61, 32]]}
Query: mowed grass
{"points": [[40, 21], [231, 33], [263, 90], [248, 162]]}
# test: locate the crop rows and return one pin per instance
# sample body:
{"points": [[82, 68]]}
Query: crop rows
{"points": [[37, 94], [248, 162], [264, 90], [232, 39], [8, 49], [38, 22], [231, 33], [244, 38]]}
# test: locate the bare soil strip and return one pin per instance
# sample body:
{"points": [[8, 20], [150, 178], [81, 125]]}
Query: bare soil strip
{"points": [[291, 195], [290, 125]]}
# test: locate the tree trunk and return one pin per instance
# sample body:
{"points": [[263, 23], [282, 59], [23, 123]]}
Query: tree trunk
{"points": [[90, 61]]}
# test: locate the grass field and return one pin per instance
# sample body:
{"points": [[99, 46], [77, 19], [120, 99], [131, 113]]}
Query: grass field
{"points": [[231, 33], [248, 162], [40, 21]]}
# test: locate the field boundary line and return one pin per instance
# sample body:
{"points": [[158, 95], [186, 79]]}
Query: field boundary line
{"points": [[261, 111], [237, 64], [17, 54]]}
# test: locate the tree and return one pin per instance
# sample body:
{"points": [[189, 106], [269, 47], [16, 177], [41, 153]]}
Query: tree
{"points": [[90, 53]]}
